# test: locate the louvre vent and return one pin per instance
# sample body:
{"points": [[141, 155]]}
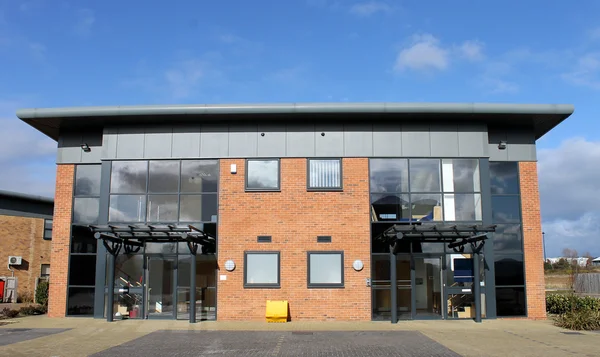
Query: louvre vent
{"points": [[263, 239], [324, 239]]}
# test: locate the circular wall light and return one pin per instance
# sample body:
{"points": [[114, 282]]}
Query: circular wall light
{"points": [[358, 265], [229, 265]]}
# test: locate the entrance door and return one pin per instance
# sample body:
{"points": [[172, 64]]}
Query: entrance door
{"points": [[160, 287], [428, 287], [404, 303]]}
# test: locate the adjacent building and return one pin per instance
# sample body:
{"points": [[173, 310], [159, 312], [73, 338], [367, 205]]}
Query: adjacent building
{"points": [[352, 211]]}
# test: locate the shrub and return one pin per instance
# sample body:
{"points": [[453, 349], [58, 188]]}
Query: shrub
{"points": [[8, 313], [579, 320], [41, 293], [25, 297], [561, 304], [28, 310]]}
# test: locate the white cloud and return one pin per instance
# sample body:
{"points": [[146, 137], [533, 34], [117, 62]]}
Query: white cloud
{"points": [[184, 77], [586, 72], [424, 54], [85, 21], [471, 50], [369, 8]]}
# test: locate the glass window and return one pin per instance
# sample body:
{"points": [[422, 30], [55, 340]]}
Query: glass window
{"points": [[261, 269], [325, 174], [129, 270], [377, 244], [81, 301], [128, 177], [504, 177], [163, 176], [262, 175], [162, 208], [83, 240], [198, 208], [199, 176], [459, 272], [47, 229], [161, 248], [381, 269], [45, 271], [426, 207], [389, 207], [506, 209], [87, 180], [508, 238], [425, 175], [206, 268], [461, 175], [82, 270], [389, 175], [127, 208], [462, 207], [431, 247], [86, 210], [325, 269], [510, 301], [509, 270]]}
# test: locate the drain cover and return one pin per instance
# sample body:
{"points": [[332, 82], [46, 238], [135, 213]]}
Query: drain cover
{"points": [[301, 333], [572, 333]]}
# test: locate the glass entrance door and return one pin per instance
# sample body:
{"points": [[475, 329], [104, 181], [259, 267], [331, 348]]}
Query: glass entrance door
{"points": [[160, 287], [404, 303], [428, 287]]}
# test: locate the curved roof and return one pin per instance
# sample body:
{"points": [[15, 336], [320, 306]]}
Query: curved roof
{"points": [[541, 117]]}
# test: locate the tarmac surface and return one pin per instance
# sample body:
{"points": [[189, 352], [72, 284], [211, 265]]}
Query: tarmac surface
{"points": [[63, 337]]}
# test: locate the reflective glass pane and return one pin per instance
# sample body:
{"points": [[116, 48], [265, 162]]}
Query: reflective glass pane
{"points": [[435, 247], [82, 270], [263, 174], [325, 173], [464, 175], [425, 175], [382, 304], [199, 176], [389, 207], [508, 238], [326, 268], [82, 240], [161, 248], [129, 270], [388, 175], [378, 245], [510, 302], [198, 208], [162, 208], [426, 207], [163, 176], [208, 228], [509, 270], [80, 301], [87, 180], [262, 269], [128, 176], [459, 270], [86, 210], [506, 209], [462, 207], [127, 208], [504, 177], [380, 270]]}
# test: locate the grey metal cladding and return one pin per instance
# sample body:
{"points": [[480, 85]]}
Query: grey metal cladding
{"points": [[300, 140], [158, 142], [520, 145], [243, 140], [472, 140], [130, 143], [358, 140], [444, 140], [186, 141], [387, 140], [329, 140], [94, 141], [109, 143], [69, 148], [416, 140], [214, 141], [495, 136], [271, 140]]}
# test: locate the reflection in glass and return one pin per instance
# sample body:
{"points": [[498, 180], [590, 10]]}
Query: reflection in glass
{"points": [[86, 210], [87, 180], [504, 177], [426, 207], [380, 270], [160, 287], [509, 270], [263, 174], [403, 297], [389, 207], [162, 208], [506, 209], [425, 175], [128, 177], [161, 248], [378, 245], [325, 268], [80, 301], [198, 208], [82, 270], [129, 270], [82, 240], [462, 207], [459, 270], [510, 301], [127, 208], [262, 269], [508, 238], [428, 286], [389, 175], [208, 228], [382, 304], [163, 176], [199, 176], [462, 306], [461, 175]]}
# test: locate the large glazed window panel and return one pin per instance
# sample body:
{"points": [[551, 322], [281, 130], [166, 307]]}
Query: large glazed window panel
{"points": [[127, 208], [425, 175], [87, 180], [325, 269], [506, 209], [86, 210], [510, 302], [262, 175], [462, 207], [199, 176], [389, 175], [81, 301], [509, 270], [82, 240], [162, 208], [389, 207], [198, 208], [426, 207], [504, 178], [261, 269], [325, 174], [128, 177], [82, 270], [508, 238], [163, 177], [461, 175]]}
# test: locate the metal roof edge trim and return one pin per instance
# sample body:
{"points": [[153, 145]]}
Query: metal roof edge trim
{"points": [[25, 196]]}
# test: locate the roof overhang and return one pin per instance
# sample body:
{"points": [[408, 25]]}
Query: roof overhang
{"points": [[539, 117], [26, 197]]}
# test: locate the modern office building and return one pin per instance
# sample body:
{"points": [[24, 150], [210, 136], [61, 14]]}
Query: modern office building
{"points": [[348, 211]]}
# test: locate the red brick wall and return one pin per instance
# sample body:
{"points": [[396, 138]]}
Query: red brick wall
{"points": [[294, 218], [61, 236], [532, 241], [23, 236]]}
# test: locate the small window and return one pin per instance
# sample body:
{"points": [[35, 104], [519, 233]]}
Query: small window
{"points": [[47, 229], [45, 270], [325, 174], [325, 269], [261, 270], [262, 175]]}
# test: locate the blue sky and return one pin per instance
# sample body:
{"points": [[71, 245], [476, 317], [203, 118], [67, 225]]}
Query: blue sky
{"points": [[69, 53]]}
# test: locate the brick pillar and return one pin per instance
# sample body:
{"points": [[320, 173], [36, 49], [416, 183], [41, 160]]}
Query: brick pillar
{"points": [[61, 237], [532, 241]]}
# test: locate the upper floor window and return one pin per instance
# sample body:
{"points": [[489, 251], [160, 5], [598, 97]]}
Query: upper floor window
{"points": [[263, 175], [325, 174], [86, 203], [47, 229]]}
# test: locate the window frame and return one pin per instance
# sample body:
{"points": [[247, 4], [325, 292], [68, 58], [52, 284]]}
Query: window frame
{"points": [[262, 189], [262, 285], [325, 189], [324, 285], [42, 270], [47, 221]]}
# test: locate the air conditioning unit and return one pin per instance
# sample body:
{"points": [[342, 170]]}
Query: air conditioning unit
{"points": [[14, 260]]}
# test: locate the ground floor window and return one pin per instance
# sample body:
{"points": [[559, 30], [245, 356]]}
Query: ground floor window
{"points": [[325, 269], [262, 269]]}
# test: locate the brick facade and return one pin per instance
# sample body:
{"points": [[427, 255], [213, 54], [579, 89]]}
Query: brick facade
{"points": [[294, 218], [532, 241], [61, 237], [23, 236]]}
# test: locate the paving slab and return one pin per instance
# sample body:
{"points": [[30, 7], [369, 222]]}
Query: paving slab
{"points": [[14, 335]]}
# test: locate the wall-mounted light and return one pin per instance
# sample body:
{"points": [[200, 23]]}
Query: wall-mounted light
{"points": [[502, 145], [358, 265], [85, 147], [229, 265], [233, 168]]}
